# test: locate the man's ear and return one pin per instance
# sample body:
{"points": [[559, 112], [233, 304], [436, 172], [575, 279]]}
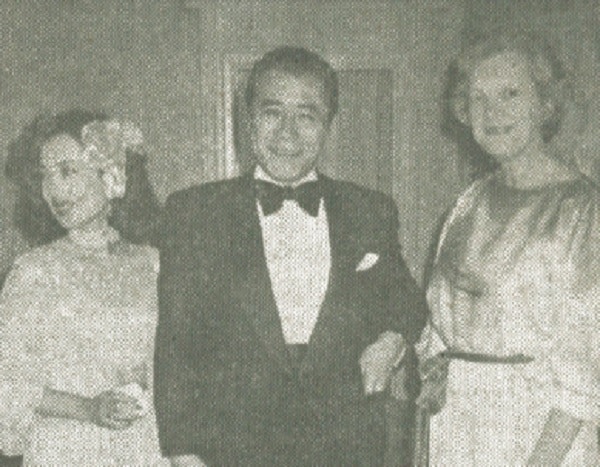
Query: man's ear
{"points": [[114, 180], [547, 110], [329, 123], [253, 135]]}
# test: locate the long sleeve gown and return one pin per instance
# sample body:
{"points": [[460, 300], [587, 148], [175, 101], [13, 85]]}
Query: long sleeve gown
{"points": [[82, 320], [517, 273]]}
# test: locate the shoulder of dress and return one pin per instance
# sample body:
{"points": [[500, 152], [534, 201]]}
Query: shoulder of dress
{"points": [[462, 206], [578, 205], [468, 198], [40, 256], [32, 269], [477, 187]]}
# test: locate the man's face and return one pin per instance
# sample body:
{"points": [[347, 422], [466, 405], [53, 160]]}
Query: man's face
{"points": [[289, 124]]}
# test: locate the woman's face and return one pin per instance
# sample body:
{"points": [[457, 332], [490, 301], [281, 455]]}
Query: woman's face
{"points": [[504, 106], [72, 186]]}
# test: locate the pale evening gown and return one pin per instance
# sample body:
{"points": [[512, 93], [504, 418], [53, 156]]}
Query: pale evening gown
{"points": [[76, 319], [517, 272]]}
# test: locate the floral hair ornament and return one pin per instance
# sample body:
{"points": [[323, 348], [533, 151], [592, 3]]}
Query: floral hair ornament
{"points": [[105, 144]]}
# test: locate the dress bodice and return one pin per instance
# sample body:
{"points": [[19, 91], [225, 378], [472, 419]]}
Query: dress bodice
{"points": [[77, 319], [517, 272], [516, 266]]}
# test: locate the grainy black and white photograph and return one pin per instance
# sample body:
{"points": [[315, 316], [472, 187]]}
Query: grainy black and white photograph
{"points": [[302, 233]]}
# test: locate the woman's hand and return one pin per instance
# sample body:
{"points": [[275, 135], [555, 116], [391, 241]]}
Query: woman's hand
{"points": [[110, 409], [114, 410], [433, 389], [558, 434]]}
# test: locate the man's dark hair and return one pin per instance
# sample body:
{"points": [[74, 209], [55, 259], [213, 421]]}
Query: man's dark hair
{"points": [[296, 61]]}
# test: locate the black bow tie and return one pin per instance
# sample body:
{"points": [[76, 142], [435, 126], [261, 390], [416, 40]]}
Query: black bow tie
{"points": [[271, 196]]}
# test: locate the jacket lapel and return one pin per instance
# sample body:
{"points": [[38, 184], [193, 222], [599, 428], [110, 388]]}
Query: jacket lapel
{"points": [[344, 245], [254, 293]]}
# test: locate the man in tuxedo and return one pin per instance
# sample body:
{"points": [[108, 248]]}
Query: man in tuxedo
{"points": [[285, 303]]}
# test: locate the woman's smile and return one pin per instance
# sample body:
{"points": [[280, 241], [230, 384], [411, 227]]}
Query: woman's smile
{"points": [[62, 207], [498, 130]]}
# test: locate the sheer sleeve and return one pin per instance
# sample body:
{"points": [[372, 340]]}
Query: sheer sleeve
{"points": [[537, 255], [575, 363], [573, 360], [21, 378], [430, 344], [438, 333]]}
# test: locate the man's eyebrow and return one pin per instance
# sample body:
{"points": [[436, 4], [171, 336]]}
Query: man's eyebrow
{"points": [[273, 102], [61, 162], [310, 107], [268, 102]]}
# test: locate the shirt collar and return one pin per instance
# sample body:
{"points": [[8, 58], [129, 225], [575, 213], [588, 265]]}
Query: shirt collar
{"points": [[260, 174]]}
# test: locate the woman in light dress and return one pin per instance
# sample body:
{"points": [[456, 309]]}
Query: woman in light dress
{"points": [[512, 352], [77, 315]]}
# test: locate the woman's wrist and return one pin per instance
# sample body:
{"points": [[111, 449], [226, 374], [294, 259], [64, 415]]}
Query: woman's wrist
{"points": [[62, 404]]}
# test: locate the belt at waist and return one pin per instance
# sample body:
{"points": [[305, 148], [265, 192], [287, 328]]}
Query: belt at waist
{"points": [[485, 358]]}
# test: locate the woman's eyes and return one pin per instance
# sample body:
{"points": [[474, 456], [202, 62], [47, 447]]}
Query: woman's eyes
{"points": [[505, 94], [64, 171], [271, 112], [67, 171], [300, 117], [307, 117]]}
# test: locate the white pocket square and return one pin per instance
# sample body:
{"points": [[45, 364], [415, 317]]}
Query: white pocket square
{"points": [[367, 262]]}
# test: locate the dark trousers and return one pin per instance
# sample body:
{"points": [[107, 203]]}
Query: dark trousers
{"points": [[299, 445], [6, 461]]}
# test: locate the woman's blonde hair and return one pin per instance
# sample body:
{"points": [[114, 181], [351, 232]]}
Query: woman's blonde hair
{"points": [[547, 71]]}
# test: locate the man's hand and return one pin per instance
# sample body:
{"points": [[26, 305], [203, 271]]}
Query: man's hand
{"points": [[433, 388], [379, 360]]}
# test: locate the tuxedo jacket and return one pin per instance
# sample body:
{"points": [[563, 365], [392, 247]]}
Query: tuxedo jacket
{"points": [[226, 387]]}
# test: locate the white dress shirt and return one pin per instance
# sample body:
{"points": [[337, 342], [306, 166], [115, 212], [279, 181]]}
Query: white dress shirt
{"points": [[298, 257]]}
